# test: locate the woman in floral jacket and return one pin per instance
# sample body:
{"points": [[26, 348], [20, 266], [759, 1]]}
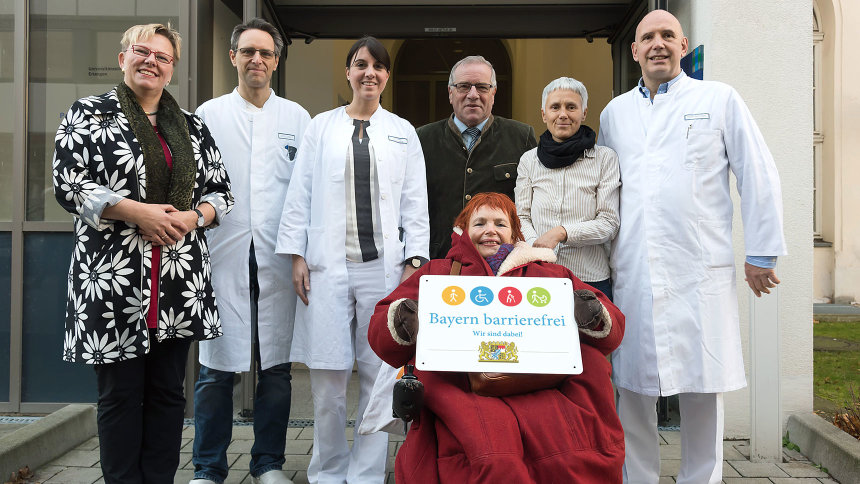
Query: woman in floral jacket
{"points": [[142, 178]]}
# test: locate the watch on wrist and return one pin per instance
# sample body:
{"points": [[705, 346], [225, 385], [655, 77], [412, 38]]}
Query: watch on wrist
{"points": [[415, 262], [201, 221]]}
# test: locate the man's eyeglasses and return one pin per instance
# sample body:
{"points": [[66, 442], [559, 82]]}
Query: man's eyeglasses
{"points": [[465, 87], [249, 52], [144, 51]]}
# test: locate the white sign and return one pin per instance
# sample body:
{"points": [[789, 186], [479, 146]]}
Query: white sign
{"points": [[497, 324]]}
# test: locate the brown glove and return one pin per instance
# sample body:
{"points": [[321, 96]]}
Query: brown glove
{"points": [[406, 320], [587, 309]]}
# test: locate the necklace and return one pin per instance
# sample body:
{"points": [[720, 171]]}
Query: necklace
{"points": [[153, 113]]}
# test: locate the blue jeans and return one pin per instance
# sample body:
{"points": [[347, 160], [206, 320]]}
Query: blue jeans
{"points": [[213, 410], [604, 286], [213, 421]]}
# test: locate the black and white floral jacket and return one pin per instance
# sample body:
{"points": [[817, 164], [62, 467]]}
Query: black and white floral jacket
{"points": [[97, 163]]}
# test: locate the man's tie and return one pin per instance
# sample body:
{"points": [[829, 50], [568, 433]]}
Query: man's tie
{"points": [[474, 133]]}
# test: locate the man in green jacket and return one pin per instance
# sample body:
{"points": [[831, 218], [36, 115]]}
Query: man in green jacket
{"points": [[471, 151]]}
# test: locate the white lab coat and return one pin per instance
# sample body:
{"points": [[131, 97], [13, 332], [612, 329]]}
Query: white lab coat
{"points": [[258, 150], [314, 224], [672, 262]]}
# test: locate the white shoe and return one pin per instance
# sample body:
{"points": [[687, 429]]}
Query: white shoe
{"points": [[274, 476], [201, 481]]}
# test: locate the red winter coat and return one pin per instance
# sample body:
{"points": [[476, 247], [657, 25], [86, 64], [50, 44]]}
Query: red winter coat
{"points": [[570, 434]]}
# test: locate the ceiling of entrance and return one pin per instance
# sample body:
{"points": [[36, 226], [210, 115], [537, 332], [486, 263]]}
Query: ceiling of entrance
{"points": [[310, 19]]}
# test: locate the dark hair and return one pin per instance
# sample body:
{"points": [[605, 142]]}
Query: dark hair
{"points": [[376, 49], [492, 200], [257, 23]]}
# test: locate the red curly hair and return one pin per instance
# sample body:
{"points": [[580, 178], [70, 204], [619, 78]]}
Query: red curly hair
{"points": [[493, 200]]}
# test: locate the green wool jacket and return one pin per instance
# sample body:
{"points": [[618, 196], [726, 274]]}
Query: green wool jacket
{"points": [[454, 174]]}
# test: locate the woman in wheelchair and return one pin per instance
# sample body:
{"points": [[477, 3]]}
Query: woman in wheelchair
{"points": [[566, 431]]}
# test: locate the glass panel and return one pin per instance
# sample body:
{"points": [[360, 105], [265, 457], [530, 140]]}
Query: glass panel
{"points": [[74, 47], [45, 376], [5, 290], [630, 70], [7, 65]]}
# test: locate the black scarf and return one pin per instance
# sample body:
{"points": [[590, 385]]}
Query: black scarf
{"points": [[553, 154], [163, 185]]}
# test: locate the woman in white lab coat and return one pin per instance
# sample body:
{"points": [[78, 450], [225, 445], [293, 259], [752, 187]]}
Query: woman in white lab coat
{"points": [[355, 216]]}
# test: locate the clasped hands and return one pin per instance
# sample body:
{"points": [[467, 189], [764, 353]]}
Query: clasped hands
{"points": [[588, 312], [163, 224]]}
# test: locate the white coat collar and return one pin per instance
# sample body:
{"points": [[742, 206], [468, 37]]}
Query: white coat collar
{"points": [[241, 102], [375, 118]]}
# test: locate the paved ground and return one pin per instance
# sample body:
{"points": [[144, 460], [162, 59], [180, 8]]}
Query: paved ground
{"points": [[81, 465]]}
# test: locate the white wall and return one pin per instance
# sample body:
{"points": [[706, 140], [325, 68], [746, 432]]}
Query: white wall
{"points": [[764, 50]]}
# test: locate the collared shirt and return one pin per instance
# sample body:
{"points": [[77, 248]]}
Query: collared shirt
{"points": [[661, 89], [765, 262], [462, 127]]}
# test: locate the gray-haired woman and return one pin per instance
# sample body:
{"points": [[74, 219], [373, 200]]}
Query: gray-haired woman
{"points": [[568, 188]]}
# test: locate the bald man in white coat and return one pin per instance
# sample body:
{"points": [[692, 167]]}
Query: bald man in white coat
{"points": [[673, 262]]}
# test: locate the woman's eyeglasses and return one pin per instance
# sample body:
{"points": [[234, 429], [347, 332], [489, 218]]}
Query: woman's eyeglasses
{"points": [[464, 87], [144, 51], [248, 52]]}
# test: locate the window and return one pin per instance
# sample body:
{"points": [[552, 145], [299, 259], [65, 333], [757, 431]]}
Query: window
{"points": [[73, 53], [7, 50], [817, 134]]}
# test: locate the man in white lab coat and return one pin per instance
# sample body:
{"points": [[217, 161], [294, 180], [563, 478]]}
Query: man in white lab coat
{"points": [[673, 262], [258, 134]]}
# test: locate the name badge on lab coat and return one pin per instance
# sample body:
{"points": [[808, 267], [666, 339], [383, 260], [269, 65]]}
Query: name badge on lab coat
{"points": [[691, 117]]}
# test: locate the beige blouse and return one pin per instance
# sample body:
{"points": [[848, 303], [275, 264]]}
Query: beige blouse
{"points": [[582, 198]]}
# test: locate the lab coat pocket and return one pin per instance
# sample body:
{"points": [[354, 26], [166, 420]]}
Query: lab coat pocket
{"points": [[704, 149], [315, 254], [715, 238], [284, 168]]}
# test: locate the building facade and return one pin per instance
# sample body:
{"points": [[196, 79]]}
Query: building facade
{"points": [[54, 52]]}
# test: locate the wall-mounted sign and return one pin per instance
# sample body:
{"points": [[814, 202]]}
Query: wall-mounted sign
{"points": [[693, 63]]}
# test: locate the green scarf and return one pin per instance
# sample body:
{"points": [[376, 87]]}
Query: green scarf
{"points": [[163, 185]]}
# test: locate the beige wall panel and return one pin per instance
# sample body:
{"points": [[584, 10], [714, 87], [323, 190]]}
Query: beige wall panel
{"points": [[846, 144], [316, 76], [310, 75], [536, 62], [224, 77], [822, 284]]}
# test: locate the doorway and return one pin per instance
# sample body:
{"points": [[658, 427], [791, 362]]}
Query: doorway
{"points": [[421, 70]]}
